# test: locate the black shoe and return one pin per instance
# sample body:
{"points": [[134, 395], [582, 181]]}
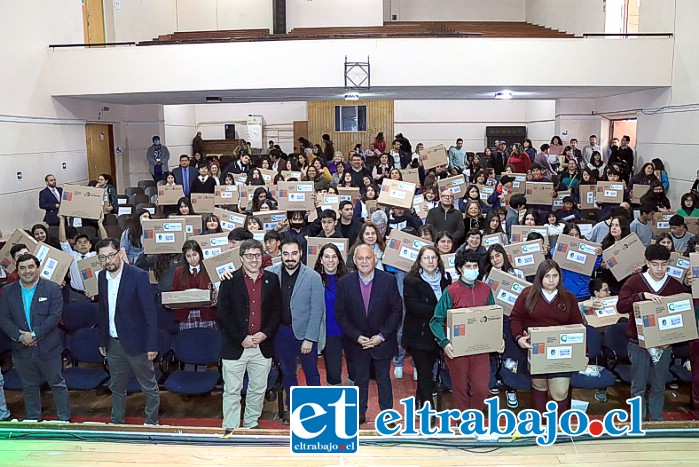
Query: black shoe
{"points": [[228, 433], [362, 419], [256, 426], [6, 419], [270, 396], [285, 418]]}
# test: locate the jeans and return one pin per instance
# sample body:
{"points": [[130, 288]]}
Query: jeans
{"points": [[4, 413], [288, 348]]}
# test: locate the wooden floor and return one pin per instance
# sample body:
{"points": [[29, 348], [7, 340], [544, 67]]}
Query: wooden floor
{"points": [[636, 452]]}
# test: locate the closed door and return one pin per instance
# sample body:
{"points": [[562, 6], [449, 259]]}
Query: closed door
{"points": [[300, 131], [100, 160], [93, 21]]}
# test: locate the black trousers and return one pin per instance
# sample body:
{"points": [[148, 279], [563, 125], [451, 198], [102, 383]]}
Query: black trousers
{"points": [[361, 362], [423, 360], [333, 359]]}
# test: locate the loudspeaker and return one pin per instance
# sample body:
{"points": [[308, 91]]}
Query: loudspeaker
{"points": [[229, 128], [279, 17]]}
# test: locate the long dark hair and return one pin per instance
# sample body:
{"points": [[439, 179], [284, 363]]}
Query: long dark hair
{"points": [[609, 240], [184, 200], [493, 214], [136, 229], [341, 266], [255, 197], [536, 288], [191, 245], [414, 272], [487, 264], [666, 235]]}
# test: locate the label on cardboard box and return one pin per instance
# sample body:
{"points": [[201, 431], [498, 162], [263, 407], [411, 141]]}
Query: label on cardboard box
{"points": [[557, 349], [666, 323]]}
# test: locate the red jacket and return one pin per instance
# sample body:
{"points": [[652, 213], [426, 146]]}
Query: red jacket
{"points": [[521, 162]]}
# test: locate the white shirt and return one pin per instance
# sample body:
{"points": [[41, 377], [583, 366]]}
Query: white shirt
{"points": [[655, 285], [76, 279], [194, 270], [112, 292], [549, 296]]}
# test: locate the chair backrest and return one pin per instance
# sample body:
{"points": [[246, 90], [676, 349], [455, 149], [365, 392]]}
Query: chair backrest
{"points": [[615, 339], [145, 183], [150, 207], [166, 320], [114, 231], [123, 221], [154, 198], [137, 198], [150, 190], [88, 230], [80, 315], [84, 346], [132, 190], [110, 219], [594, 342], [122, 199], [198, 346]]}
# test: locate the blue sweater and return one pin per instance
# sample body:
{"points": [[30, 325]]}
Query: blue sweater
{"points": [[578, 284], [331, 326]]}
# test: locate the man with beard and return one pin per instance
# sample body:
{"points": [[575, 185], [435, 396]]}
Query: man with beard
{"points": [[302, 330]]}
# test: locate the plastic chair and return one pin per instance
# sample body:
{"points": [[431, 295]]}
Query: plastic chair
{"points": [[83, 348], [145, 183], [138, 198], [80, 315], [150, 190], [110, 220], [88, 230], [616, 351], [150, 207], [123, 221], [195, 347]]}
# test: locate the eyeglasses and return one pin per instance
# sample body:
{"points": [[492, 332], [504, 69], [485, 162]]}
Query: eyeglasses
{"points": [[252, 255], [429, 258], [110, 257], [447, 196]]}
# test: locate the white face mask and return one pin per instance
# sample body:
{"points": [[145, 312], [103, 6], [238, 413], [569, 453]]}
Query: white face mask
{"points": [[470, 274]]}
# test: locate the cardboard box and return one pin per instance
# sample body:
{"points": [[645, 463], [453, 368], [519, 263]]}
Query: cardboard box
{"points": [[506, 288], [54, 263], [81, 201], [450, 266], [557, 349], [526, 256], [402, 249], [692, 225], [203, 203], [169, 195], [588, 196], [216, 265], [486, 191], [434, 157], [349, 194], [245, 194], [624, 256], [212, 244], [163, 236], [287, 174], [295, 196], [456, 184], [240, 179], [420, 206], [637, 191], [539, 193], [602, 312], [372, 206], [268, 176], [89, 268], [314, 244], [397, 193], [475, 330], [190, 298], [226, 195], [18, 236], [610, 192], [520, 183], [666, 323], [270, 219], [558, 200], [575, 254], [660, 223], [678, 266], [492, 239], [519, 233], [412, 176], [229, 219], [694, 262], [194, 224]]}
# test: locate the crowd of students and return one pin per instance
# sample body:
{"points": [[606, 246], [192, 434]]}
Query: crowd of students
{"points": [[454, 225]]}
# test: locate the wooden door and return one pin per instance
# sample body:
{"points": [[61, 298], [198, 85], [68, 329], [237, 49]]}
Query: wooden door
{"points": [[300, 131], [93, 21], [100, 156]]}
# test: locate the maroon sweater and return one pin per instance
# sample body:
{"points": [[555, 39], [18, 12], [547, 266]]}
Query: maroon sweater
{"points": [[200, 281], [556, 313], [633, 290]]}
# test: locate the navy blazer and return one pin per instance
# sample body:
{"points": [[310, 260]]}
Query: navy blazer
{"points": [[233, 314], [177, 172], [136, 317], [385, 312], [48, 202], [45, 314]]}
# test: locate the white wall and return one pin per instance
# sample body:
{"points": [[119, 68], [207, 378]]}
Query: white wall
{"points": [[458, 10], [441, 122], [328, 13], [208, 15], [572, 16], [139, 20], [180, 123]]}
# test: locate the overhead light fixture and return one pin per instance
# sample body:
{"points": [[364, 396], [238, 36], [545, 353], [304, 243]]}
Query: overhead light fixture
{"points": [[212, 99], [503, 95]]}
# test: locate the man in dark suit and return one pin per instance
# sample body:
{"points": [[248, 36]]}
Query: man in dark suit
{"points": [[128, 323], [368, 309], [30, 311], [50, 200], [249, 312], [184, 174]]}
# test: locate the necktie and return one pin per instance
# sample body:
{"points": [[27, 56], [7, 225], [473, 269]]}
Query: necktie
{"points": [[195, 271], [55, 193], [185, 181], [82, 256]]}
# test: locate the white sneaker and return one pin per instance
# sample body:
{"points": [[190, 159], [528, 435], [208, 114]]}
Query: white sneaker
{"points": [[512, 401], [414, 374], [398, 372]]}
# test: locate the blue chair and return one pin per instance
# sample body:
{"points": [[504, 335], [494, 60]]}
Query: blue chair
{"points": [[84, 348], [195, 347], [80, 315], [680, 353], [615, 350], [594, 351], [166, 320], [164, 351]]}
